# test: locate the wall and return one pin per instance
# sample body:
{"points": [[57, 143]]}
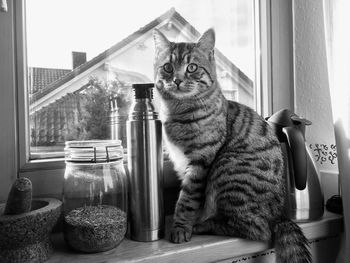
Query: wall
{"points": [[311, 94], [8, 161]]}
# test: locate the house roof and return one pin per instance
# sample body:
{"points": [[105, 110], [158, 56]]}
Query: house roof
{"points": [[42, 77], [171, 14]]}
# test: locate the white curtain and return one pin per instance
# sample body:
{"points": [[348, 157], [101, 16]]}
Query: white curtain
{"points": [[337, 22]]}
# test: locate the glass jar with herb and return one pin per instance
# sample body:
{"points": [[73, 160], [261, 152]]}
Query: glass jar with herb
{"points": [[94, 195]]}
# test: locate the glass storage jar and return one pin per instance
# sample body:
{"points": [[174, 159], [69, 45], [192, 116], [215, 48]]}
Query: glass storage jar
{"points": [[94, 195]]}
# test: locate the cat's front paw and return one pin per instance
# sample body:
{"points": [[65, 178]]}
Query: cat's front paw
{"points": [[180, 234], [202, 228]]}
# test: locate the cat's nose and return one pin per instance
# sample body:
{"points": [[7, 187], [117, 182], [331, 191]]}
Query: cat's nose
{"points": [[177, 81]]}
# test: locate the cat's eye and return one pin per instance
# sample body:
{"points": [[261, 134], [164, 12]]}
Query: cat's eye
{"points": [[168, 68], [192, 68]]}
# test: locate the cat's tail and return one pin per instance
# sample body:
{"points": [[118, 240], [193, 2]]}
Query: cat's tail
{"points": [[291, 245]]}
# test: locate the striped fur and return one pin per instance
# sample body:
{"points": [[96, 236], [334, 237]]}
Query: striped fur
{"points": [[226, 155]]}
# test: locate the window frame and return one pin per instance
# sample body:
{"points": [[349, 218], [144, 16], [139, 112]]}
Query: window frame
{"points": [[25, 164], [274, 81]]}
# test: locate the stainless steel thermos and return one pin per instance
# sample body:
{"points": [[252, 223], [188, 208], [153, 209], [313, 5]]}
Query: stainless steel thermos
{"points": [[145, 167]]}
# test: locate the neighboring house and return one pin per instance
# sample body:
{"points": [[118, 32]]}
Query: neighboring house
{"points": [[55, 103], [40, 78]]}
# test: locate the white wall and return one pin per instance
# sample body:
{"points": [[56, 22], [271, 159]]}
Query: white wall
{"points": [[8, 161]]}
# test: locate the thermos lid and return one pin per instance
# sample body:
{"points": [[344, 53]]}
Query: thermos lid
{"points": [[143, 90], [94, 151]]}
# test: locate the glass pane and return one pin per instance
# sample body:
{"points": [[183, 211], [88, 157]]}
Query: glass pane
{"points": [[83, 56]]}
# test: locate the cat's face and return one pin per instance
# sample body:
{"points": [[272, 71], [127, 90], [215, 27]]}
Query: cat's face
{"points": [[184, 70]]}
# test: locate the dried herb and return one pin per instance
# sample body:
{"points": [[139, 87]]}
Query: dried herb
{"points": [[95, 228]]}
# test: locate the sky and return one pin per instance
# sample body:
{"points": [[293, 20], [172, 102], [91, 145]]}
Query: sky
{"points": [[55, 28]]}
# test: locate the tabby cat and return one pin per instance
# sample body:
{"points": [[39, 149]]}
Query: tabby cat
{"points": [[226, 155]]}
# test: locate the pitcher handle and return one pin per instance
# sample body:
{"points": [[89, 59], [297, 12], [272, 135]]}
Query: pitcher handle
{"points": [[296, 143]]}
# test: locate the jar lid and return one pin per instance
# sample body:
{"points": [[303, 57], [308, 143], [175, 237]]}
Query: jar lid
{"points": [[95, 151]]}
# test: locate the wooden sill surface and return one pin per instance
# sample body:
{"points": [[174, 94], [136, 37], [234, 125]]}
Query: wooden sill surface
{"points": [[201, 248]]}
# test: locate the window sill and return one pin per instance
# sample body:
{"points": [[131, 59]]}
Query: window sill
{"points": [[201, 248], [42, 164]]}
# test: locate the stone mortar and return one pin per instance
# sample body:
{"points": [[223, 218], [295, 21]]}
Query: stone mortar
{"points": [[26, 237]]}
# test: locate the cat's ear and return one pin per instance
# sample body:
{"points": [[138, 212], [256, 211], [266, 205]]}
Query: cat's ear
{"points": [[207, 41], [160, 41]]}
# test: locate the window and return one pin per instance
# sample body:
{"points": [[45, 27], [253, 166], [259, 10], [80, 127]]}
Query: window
{"points": [[83, 56]]}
